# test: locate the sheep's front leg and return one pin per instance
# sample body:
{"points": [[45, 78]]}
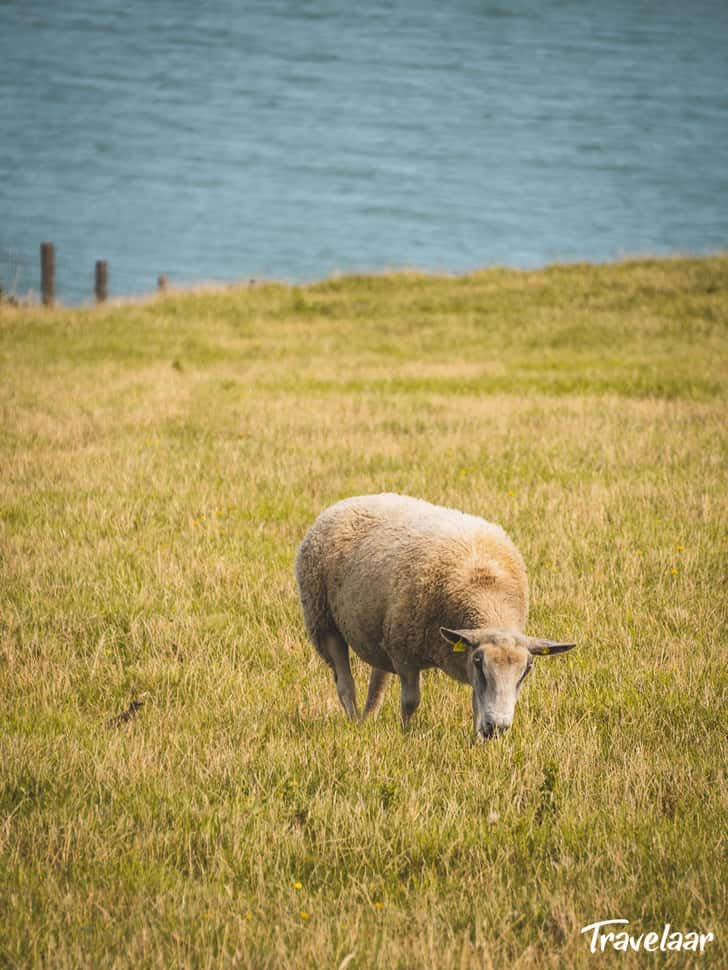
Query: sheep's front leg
{"points": [[338, 650], [410, 700]]}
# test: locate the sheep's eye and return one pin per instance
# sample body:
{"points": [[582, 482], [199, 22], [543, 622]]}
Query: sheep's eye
{"points": [[478, 660], [525, 673]]}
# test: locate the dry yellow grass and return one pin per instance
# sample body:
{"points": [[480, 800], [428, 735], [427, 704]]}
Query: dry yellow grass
{"points": [[160, 463]]}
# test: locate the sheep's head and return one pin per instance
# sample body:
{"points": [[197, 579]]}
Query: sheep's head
{"points": [[498, 662]]}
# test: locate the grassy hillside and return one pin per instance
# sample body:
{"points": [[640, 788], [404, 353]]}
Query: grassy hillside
{"points": [[161, 461]]}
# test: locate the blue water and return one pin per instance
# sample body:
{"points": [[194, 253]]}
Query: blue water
{"points": [[227, 140]]}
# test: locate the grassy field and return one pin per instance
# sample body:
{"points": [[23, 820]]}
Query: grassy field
{"points": [[160, 462]]}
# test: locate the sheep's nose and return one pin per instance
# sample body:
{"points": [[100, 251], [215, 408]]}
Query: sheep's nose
{"points": [[491, 729]]}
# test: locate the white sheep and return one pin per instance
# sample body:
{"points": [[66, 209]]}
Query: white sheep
{"points": [[409, 585]]}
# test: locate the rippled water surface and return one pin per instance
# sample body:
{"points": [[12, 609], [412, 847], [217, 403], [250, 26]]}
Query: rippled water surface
{"points": [[229, 139]]}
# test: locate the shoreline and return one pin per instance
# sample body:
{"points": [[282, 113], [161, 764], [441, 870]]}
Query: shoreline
{"points": [[32, 300]]}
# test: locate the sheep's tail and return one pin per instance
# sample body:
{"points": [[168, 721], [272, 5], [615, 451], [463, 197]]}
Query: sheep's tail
{"points": [[377, 684]]}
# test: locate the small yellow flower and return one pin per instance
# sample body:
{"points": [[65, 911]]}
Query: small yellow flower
{"points": [[511, 492], [675, 571], [679, 547], [248, 915], [297, 885], [304, 915], [379, 904], [294, 783]]}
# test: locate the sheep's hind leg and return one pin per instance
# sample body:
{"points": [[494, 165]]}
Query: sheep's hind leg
{"points": [[335, 647], [377, 683]]}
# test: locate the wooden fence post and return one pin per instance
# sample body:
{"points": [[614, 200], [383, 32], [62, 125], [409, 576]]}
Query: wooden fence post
{"points": [[101, 288], [47, 273]]}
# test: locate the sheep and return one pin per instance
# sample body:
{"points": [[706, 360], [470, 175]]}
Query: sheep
{"points": [[409, 586]]}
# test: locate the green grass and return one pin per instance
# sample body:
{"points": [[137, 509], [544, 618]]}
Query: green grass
{"points": [[160, 462]]}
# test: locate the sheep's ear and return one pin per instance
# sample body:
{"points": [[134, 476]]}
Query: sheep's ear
{"points": [[460, 639], [545, 648]]}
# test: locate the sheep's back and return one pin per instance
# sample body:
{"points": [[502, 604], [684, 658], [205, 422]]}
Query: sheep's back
{"points": [[395, 568]]}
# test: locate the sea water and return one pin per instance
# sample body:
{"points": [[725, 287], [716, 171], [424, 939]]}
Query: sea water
{"points": [[294, 139]]}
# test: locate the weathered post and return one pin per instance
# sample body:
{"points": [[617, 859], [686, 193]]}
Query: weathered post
{"points": [[47, 273], [101, 288], [162, 283]]}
